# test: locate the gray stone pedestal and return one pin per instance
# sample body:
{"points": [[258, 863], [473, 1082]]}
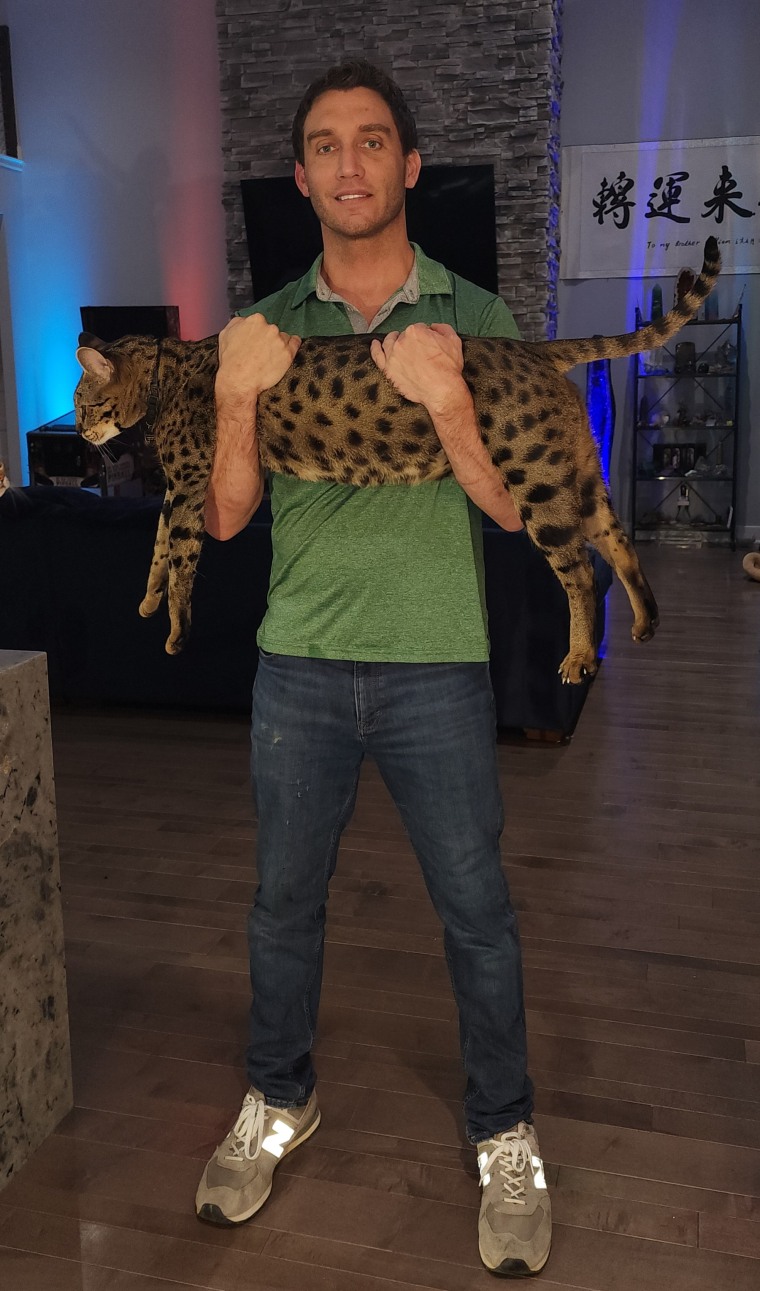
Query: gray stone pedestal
{"points": [[35, 1060]]}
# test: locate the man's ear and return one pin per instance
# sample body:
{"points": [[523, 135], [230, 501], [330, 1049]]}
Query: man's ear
{"points": [[413, 163], [300, 178], [95, 364]]}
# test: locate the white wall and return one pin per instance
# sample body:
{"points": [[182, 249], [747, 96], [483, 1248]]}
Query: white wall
{"points": [[119, 200], [637, 70]]}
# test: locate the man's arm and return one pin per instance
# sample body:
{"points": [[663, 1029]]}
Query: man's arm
{"points": [[471, 463], [253, 356], [425, 365]]}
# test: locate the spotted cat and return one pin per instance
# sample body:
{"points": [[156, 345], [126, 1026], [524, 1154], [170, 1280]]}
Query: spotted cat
{"points": [[334, 416]]}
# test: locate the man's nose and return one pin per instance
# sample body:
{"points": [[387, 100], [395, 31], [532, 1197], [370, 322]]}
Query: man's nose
{"points": [[349, 162]]}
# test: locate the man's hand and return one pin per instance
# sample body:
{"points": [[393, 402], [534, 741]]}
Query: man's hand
{"points": [[253, 356], [425, 365]]}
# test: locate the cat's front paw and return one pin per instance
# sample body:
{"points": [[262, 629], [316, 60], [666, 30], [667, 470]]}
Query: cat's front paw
{"points": [[175, 643], [149, 604], [576, 667]]}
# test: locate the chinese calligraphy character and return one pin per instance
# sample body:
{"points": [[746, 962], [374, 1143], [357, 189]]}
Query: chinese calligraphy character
{"points": [[669, 195], [725, 196], [612, 199]]}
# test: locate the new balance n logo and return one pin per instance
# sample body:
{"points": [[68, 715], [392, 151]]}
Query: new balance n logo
{"points": [[281, 1134]]}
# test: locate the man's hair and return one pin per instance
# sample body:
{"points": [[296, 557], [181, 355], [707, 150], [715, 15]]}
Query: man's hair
{"points": [[354, 75]]}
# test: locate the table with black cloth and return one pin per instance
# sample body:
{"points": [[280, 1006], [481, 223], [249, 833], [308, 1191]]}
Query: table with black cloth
{"points": [[73, 570]]}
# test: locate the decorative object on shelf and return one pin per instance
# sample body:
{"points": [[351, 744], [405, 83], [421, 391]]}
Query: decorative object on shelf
{"points": [[686, 357], [600, 403], [712, 309], [675, 459], [684, 283], [658, 419], [654, 363], [682, 504]]}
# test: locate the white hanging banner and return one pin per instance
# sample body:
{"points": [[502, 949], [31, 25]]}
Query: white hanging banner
{"points": [[645, 209]]}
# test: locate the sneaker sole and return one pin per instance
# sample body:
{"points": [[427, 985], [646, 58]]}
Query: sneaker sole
{"points": [[211, 1214]]}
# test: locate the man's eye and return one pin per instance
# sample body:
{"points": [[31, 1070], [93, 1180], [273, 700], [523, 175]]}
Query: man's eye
{"points": [[324, 147], [374, 144]]}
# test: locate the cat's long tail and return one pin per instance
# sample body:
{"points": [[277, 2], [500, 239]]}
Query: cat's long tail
{"points": [[565, 354]]}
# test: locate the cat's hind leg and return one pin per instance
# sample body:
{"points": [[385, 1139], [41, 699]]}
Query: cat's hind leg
{"points": [[605, 532], [569, 560], [158, 577]]}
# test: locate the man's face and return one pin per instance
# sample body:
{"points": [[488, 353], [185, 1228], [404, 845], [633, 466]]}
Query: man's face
{"points": [[354, 170]]}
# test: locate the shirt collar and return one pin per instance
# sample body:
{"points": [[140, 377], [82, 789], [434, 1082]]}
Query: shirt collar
{"points": [[426, 278]]}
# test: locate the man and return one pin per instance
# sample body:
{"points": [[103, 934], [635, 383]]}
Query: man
{"points": [[374, 642]]}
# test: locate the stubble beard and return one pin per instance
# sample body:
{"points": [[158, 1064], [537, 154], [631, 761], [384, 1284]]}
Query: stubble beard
{"points": [[330, 218]]}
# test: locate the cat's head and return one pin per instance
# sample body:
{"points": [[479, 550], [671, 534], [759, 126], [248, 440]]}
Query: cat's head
{"points": [[112, 391]]}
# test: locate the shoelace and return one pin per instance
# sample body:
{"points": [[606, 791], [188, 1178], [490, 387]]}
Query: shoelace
{"points": [[513, 1155], [249, 1125]]}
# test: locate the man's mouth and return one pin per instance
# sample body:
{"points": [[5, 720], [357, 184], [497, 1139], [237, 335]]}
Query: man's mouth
{"points": [[351, 197]]}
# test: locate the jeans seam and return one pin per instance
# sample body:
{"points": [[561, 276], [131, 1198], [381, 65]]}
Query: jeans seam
{"points": [[334, 839], [466, 1043]]}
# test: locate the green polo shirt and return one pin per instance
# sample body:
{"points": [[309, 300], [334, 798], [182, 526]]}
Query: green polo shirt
{"points": [[387, 574]]}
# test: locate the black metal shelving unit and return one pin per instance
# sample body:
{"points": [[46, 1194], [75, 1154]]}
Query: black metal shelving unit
{"points": [[685, 416]]}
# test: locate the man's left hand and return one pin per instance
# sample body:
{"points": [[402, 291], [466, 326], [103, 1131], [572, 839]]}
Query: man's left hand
{"points": [[424, 363]]}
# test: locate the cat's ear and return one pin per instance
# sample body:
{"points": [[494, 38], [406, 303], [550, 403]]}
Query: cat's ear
{"points": [[95, 364]]}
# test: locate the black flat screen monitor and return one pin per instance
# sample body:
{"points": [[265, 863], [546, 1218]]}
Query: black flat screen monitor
{"points": [[451, 213], [111, 322]]}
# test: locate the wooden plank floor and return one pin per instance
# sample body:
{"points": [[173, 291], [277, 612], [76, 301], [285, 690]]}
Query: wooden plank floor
{"points": [[634, 860]]}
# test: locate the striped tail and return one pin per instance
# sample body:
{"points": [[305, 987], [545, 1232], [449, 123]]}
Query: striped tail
{"points": [[565, 354]]}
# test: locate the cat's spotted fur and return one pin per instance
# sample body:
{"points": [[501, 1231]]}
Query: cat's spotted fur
{"points": [[334, 416]]}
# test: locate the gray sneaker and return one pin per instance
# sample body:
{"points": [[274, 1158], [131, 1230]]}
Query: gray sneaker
{"points": [[515, 1225], [238, 1178]]}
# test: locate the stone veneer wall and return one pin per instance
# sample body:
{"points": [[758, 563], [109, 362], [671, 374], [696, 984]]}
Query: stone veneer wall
{"points": [[35, 1061], [483, 80]]}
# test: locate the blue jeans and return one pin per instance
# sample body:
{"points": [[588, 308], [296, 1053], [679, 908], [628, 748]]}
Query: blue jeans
{"points": [[431, 730]]}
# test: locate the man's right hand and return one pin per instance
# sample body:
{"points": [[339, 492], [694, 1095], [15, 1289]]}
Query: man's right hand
{"points": [[253, 356]]}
